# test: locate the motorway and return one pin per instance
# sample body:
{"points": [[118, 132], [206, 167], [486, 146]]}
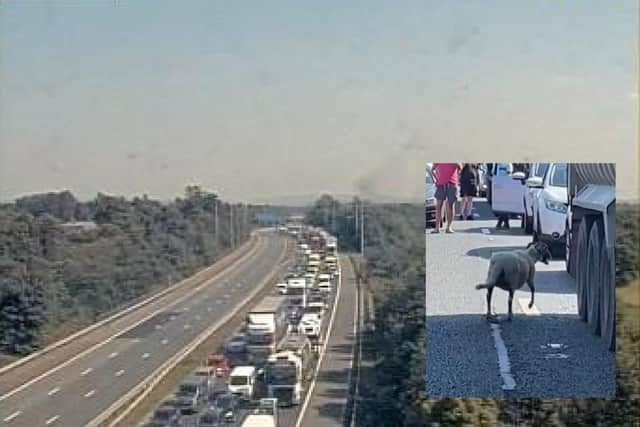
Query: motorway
{"points": [[74, 390], [544, 352]]}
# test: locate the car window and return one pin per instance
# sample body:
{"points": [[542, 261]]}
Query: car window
{"points": [[429, 178], [541, 170], [558, 176]]}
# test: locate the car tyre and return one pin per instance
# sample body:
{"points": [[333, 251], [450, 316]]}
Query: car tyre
{"points": [[581, 266], [594, 297]]}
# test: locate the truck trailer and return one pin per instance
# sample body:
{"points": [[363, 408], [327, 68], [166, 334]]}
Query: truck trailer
{"points": [[590, 244], [266, 325]]}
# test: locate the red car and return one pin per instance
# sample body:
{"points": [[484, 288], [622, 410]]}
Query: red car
{"points": [[220, 363]]}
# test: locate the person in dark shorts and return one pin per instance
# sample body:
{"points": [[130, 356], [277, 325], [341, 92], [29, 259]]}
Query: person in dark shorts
{"points": [[446, 176], [468, 189]]}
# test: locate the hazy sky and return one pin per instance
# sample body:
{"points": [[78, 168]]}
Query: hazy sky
{"points": [[259, 100]]}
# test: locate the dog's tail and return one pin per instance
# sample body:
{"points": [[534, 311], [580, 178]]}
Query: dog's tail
{"points": [[482, 286]]}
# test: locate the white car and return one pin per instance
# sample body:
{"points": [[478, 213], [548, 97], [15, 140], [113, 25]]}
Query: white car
{"points": [[550, 206], [325, 287], [534, 182]]}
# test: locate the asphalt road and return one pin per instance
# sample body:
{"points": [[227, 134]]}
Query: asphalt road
{"points": [[544, 352], [330, 392], [78, 391]]}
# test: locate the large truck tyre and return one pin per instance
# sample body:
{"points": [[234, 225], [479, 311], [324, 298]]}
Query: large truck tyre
{"points": [[608, 301], [582, 265], [570, 248], [594, 265]]}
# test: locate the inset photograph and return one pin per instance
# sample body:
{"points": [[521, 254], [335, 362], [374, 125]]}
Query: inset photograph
{"points": [[520, 280]]}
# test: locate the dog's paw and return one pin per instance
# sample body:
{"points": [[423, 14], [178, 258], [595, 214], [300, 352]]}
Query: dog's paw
{"points": [[531, 304]]}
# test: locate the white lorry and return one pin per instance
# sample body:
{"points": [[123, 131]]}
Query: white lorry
{"points": [[266, 415], [590, 244], [266, 325], [242, 381]]}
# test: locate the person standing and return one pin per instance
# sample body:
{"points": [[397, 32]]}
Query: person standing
{"points": [[468, 189], [446, 177]]}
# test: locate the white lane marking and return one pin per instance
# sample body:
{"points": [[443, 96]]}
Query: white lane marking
{"points": [[12, 416], [187, 326], [503, 359], [158, 326], [89, 394], [52, 419], [54, 391], [524, 305], [86, 371], [164, 341], [120, 372], [226, 296], [145, 356], [112, 355], [485, 231], [135, 340], [322, 349], [172, 318], [209, 309], [235, 263], [556, 356], [186, 309], [198, 317]]}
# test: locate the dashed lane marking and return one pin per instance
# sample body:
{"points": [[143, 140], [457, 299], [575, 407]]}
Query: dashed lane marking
{"points": [[119, 373], [89, 394], [54, 391], [112, 355], [503, 359], [12, 416], [52, 420], [86, 371], [145, 356]]}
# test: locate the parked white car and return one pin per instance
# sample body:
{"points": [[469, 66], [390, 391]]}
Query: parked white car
{"points": [[536, 176], [550, 207]]}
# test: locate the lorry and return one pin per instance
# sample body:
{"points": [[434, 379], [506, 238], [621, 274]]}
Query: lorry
{"points": [[265, 415], [284, 376], [242, 381], [266, 325], [590, 244]]}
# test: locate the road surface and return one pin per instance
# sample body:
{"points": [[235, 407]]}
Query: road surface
{"points": [[78, 389], [330, 392], [544, 352]]}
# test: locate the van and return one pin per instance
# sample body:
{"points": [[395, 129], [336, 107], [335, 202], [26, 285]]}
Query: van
{"points": [[242, 380]]}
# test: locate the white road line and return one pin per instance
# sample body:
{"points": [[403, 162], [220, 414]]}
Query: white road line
{"points": [[112, 355], [198, 317], [120, 372], [226, 296], [485, 231], [135, 340], [54, 391], [240, 261], [145, 356], [52, 419], [172, 318], [158, 326], [89, 394], [86, 371], [12, 416], [209, 309], [164, 341], [322, 350], [187, 326], [524, 305], [503, 359]]}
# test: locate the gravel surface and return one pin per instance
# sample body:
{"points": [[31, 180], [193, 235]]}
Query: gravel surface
{"points": [[549, 355]]}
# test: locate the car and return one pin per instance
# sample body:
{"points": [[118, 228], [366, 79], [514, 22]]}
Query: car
{"points": [[537, 170], [191, 391], [325, 287], [294, 313], [165, 416], [227, 404], [550, 208], [236, 344], [212, 417], [220, 364]]}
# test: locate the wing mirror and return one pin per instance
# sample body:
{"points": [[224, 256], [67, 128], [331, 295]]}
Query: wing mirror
{"points": [[534, 182], [520, 176]]}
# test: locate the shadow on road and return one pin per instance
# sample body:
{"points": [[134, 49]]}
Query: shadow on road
{"points": [[487, 251]]}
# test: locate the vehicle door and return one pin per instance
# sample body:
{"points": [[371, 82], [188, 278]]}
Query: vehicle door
{"points": [[507, 193]]}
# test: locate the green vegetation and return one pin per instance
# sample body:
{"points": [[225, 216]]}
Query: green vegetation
{"points": [[393, 390], [65, 263]]}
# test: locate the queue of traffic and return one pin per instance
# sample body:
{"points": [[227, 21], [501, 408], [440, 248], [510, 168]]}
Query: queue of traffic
{"points": [[268, 362]]}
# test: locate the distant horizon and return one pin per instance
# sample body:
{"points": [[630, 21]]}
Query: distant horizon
{"points": [[261, 101]]}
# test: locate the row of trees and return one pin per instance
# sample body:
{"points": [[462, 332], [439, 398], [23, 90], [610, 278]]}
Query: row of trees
{"points": [[394, 389], [58, 274]]}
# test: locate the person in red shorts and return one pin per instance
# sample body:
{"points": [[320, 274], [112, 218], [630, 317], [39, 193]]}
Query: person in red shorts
{"points": [[447, 176]]}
